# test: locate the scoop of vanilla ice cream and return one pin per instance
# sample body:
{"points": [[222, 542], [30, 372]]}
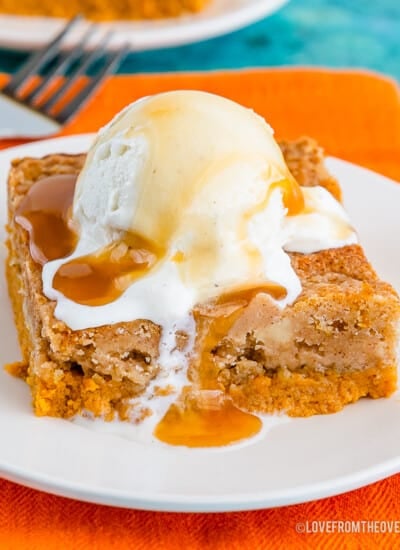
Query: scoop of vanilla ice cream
{"points": [[154, 160], [196, 174], [182, 169]]}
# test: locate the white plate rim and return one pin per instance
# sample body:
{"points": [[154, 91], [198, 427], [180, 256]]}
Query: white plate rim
{"points": [[192, 503], [199, 503]]}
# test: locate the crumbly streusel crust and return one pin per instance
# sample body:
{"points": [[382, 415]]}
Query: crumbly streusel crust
{"points": [[334, 344]]}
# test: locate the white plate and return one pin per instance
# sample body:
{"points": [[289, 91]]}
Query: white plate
{"points": [[220, 17], [297, 461]]}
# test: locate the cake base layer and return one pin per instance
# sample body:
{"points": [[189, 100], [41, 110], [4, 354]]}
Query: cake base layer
{"points": [[60, 389], [311, 392]]}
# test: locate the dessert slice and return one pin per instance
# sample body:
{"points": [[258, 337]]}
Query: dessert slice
{"points": [[334, 344], [104, 11], [277, 307]]}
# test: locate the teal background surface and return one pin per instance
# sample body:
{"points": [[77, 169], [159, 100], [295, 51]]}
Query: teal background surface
{"points": [[333, 33]]}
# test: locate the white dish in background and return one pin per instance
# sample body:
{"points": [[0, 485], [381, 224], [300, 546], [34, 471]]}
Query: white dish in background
{"points": [[300, 460], [220, 17]]}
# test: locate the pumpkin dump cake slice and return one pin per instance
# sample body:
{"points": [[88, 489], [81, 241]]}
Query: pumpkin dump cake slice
{"points": [[332, 341], [103, 10]]}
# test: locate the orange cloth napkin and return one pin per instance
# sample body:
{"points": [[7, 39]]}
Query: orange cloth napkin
{"points": [[355, 116]]}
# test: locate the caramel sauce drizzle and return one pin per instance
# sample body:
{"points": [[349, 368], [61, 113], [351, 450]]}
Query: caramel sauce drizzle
{"points": [[204, 418], [292, 195], [44, 212], [95, 279], [100, 278]]}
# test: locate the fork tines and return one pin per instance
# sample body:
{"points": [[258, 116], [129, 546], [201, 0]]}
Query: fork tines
{"points": [[71, 65]]}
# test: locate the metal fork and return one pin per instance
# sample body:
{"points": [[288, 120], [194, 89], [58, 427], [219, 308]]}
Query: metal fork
{"points": [[39, 111]]}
